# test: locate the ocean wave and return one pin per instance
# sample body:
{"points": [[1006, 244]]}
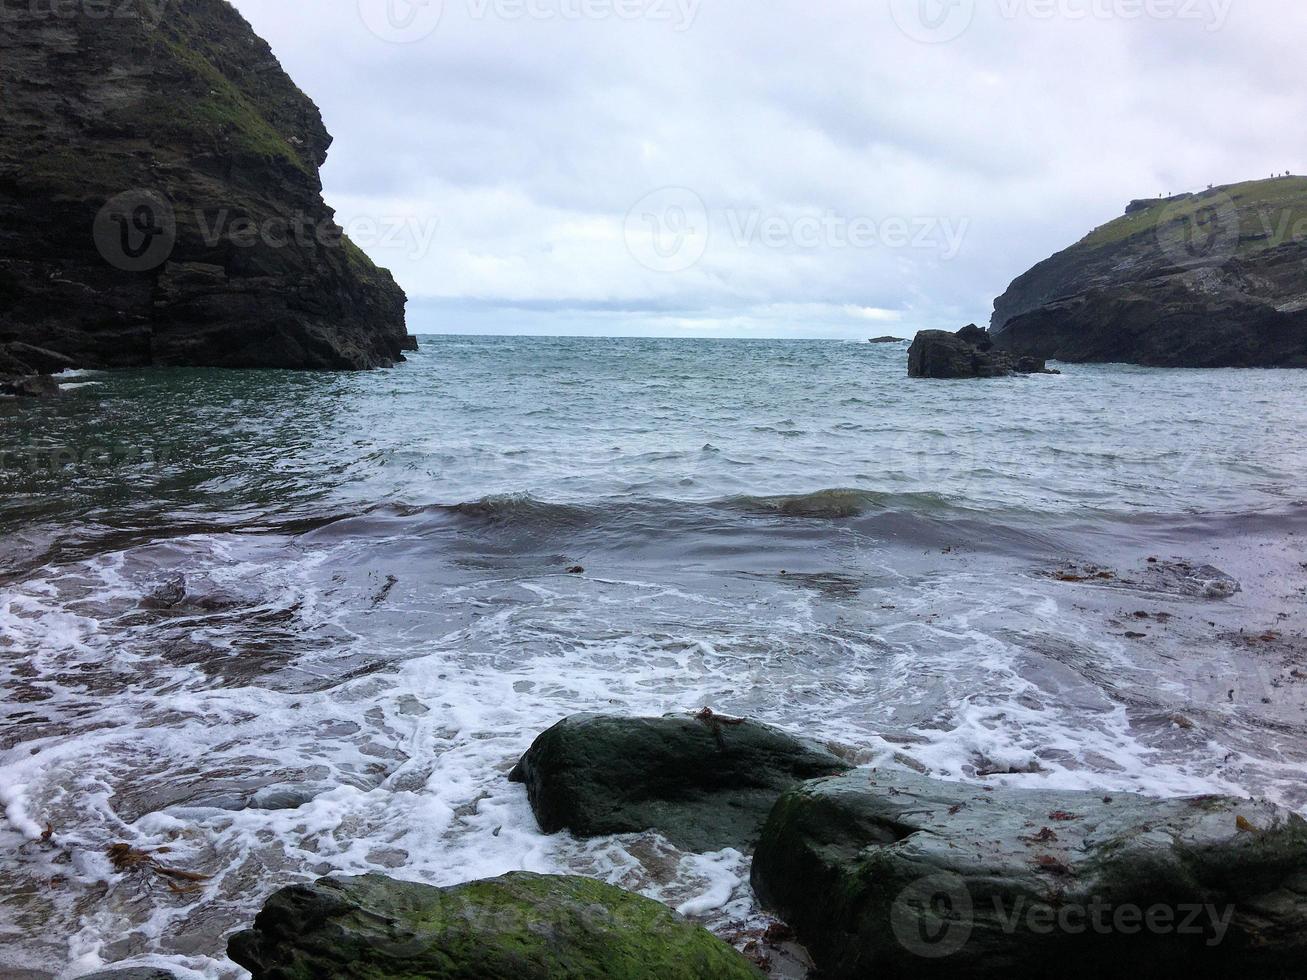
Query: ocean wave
{"points": [[840, 503], [523, 509]]}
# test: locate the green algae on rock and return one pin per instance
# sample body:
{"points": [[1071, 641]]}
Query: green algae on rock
{"points": [[518, 927], [895, 874], [705, 782]]}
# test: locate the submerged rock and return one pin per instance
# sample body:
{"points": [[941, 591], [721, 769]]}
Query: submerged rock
{"points": [[705, 782], [518, 927], [166, 594], [1213, 279], [159, 181], [969, 353], [32, 386], [895, 874]]}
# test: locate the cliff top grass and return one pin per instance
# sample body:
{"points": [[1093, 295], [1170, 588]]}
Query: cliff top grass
{"points": [[1270, 212]]}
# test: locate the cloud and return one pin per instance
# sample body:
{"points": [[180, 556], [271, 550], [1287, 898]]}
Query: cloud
{"points": [[769, 167]]}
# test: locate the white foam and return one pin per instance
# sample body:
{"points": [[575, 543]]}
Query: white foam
{"points": [[406, 765]]}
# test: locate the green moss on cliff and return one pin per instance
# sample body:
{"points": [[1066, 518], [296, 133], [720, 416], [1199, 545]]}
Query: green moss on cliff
{"points": [[216, 113], [359, 261], [1270, 212]]}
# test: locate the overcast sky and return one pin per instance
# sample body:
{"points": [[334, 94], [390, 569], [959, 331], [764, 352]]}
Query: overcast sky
{"points": [[808, 168]]}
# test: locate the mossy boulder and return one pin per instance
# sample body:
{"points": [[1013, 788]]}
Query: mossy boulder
{"points": [[703, 781], [893, 874], [518, 927]]}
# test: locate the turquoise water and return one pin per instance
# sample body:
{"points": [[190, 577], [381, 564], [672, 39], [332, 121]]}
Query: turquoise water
{"points": [[377, 617], [584, 420]]}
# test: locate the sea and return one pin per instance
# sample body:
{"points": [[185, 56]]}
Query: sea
{"points": [[264, 626]]}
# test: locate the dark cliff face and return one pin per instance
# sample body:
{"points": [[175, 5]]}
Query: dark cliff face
{"points": [[1217, 279], [161, 202]]}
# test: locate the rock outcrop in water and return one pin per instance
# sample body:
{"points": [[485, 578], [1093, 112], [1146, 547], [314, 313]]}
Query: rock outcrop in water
{"points": [[518, 927], [1217, 279], [893, 874], [703, 781], [161, 200], [969, 353]]}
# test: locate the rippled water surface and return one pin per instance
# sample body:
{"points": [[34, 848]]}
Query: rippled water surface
{"points": [[273, 625]]}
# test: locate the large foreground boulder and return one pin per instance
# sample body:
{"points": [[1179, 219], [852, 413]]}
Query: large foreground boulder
{"points": [[518, 927], [969, 353], [893, 874], [705, 782]]}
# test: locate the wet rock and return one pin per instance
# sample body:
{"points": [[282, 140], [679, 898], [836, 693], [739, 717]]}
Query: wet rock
{"points": [[167, 594], [887, 340], [1197, 581], [131, 973], [969, 353], [521, 926], [895, 874], [32, 386], [705, 782], [1167, 578]]}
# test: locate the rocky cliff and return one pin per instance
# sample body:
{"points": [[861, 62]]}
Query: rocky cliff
{"points": [[161, 201], [1216, 279]]}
